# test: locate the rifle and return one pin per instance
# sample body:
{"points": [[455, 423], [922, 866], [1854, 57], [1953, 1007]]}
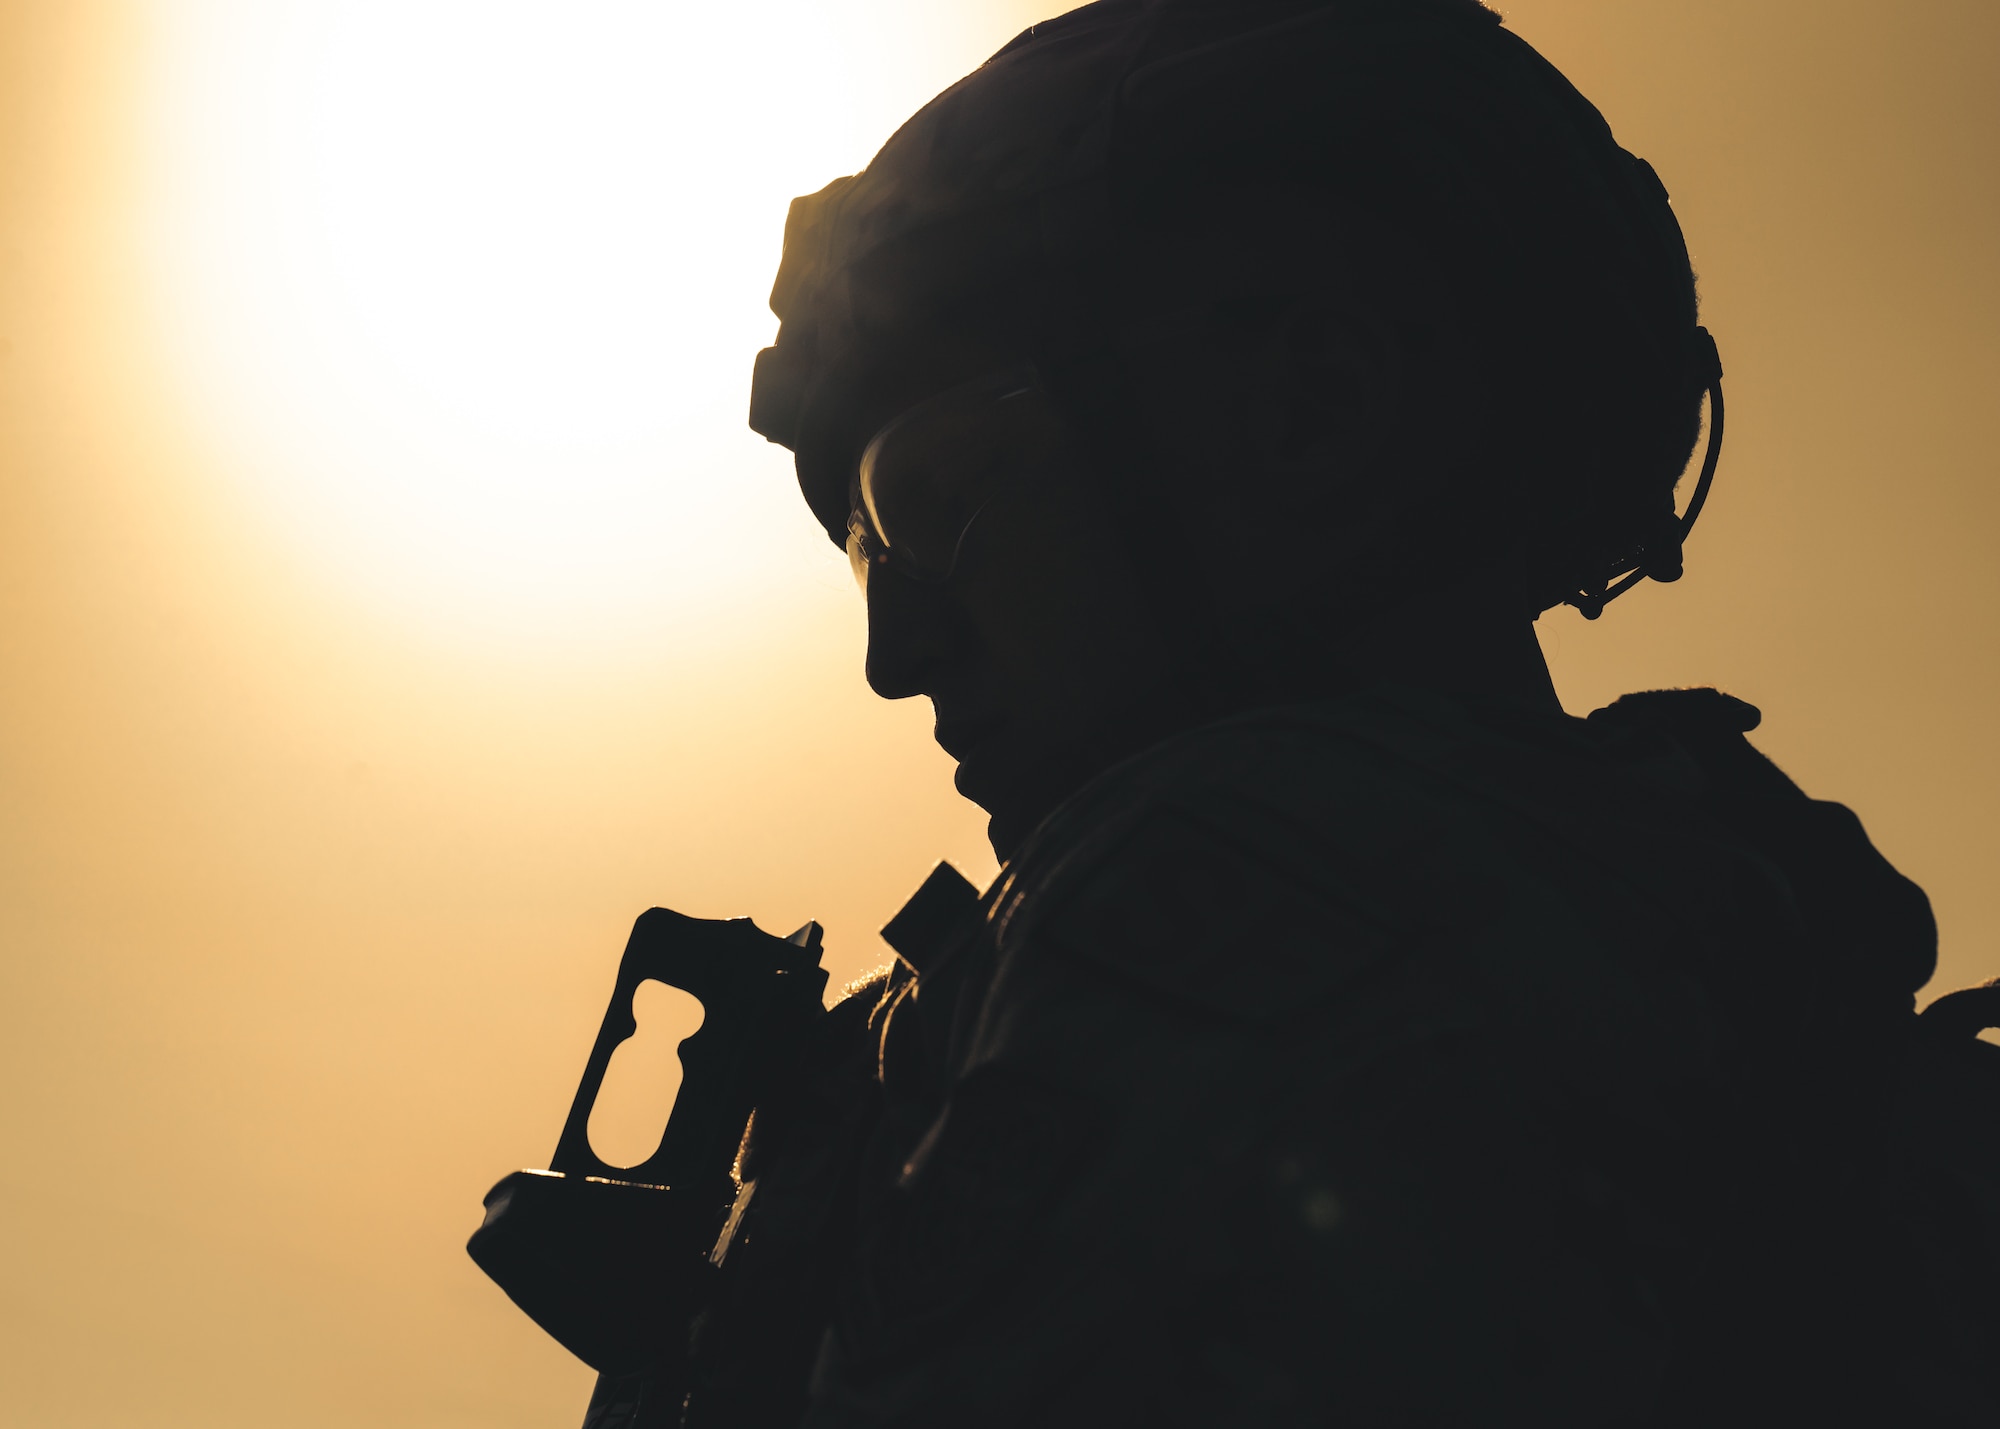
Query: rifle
{"points": [[615, 1264]]}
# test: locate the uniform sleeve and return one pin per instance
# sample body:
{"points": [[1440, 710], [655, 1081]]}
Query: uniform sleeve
{"points": [[1238, 1135]]}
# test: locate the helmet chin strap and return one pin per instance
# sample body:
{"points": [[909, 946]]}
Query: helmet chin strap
{"points": [[1660, 557]]}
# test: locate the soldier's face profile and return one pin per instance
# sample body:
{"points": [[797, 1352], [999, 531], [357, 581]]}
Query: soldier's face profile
{"points": [[1034, 650], [1272, 401]]}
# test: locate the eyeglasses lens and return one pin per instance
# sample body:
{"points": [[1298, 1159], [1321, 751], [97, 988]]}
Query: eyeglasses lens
{"points": [[927, 474]]}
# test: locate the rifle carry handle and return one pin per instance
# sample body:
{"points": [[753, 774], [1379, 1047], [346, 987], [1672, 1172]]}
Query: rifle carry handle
{"points": [[614, 1262]]}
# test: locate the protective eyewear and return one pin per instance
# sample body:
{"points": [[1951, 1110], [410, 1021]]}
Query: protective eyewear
{"points": [[926, 477]]}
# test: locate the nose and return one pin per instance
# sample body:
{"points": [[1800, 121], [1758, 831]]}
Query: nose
{"points": [[914, 635]]}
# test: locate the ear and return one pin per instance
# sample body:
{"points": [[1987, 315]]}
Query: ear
{"points": [[1334, 387], [1327, 393]]}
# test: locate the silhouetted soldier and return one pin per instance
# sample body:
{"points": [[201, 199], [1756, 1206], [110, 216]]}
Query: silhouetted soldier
{"points": [[1211, 396]]}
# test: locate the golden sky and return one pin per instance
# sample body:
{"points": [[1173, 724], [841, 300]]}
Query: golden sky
{"points": [[392, 604]]}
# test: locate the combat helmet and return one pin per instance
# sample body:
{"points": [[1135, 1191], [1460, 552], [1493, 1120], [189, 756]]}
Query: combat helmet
{"points": [[1016, 189]]}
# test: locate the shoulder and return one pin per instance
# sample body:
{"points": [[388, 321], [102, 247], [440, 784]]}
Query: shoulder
{"points": [[1381, 867], [1259, 865]]}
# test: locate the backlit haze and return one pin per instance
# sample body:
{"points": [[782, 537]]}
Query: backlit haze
{"points": [[393, 603]]}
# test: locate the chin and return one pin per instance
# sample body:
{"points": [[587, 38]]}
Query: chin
{"points": [[1018, 781], [1007, 796], [974, 781]]}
